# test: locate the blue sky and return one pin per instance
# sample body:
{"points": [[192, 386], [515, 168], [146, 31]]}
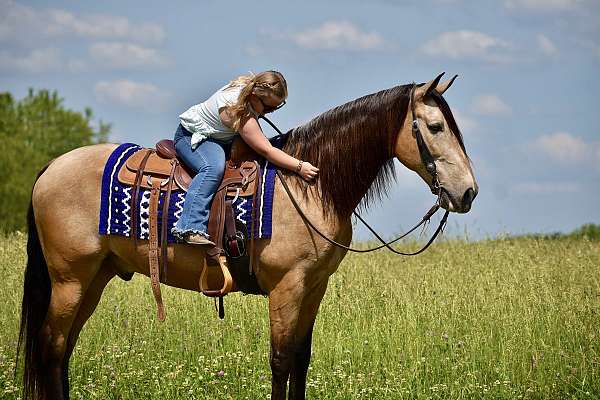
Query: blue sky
{"points": [[526, 98]]}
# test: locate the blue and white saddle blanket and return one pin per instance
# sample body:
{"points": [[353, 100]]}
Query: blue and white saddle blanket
{"points": [[115, 203]]}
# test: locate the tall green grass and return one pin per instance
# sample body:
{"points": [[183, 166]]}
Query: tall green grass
{"points": [[498, 319]]}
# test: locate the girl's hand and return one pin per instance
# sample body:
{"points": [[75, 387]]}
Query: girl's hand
{"points": [[308, 172]]}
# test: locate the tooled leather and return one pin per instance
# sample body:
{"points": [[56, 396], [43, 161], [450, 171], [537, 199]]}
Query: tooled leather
{"points": [[153, 250], [160, 168]]}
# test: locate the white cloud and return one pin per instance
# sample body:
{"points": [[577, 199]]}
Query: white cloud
{"points": [[492, 105], [563, 147], [467, 45], [547, 187], [103, 27], [338, 35], [15, 18], [126, 55], [543, 5], [547, 46], [37, 61], [138, 95], [26, 23]]}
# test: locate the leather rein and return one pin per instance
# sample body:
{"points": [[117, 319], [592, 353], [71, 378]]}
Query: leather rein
{"points": [[436, 188]]}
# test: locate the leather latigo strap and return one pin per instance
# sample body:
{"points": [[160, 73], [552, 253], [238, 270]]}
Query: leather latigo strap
{"points": [[253, 217], [215, 222], [230, 230], [153, 249], [164, 224]]}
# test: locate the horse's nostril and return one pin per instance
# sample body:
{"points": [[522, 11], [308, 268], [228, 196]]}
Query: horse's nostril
{"points": [[468, 198]]}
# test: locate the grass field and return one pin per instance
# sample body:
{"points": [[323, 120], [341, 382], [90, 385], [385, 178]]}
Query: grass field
{"points": [[502, 319]]}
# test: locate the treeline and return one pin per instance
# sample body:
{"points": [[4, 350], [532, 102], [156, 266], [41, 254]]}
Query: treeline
{"points": [[33, 131], [586, 231]]}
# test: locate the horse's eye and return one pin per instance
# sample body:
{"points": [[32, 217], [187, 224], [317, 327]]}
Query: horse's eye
{"points": [[435, 127]]}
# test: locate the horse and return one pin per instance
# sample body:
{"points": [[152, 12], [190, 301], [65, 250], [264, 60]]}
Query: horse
{"points": [[69, 264]]}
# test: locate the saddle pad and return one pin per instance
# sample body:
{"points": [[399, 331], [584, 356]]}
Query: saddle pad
{"points": [[115, 202]]}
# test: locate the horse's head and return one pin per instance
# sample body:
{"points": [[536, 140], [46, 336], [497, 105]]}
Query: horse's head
{"points": [[441, 138]]}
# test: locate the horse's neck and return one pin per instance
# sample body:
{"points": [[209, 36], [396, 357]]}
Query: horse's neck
{"points": [[353, 145], [352, 171]]}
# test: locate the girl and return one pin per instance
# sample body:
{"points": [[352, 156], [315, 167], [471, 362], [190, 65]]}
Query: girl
{"points": [[208, 128]]}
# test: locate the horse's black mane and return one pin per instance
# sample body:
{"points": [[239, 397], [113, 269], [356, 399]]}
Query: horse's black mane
{"points": [[353, 146]]}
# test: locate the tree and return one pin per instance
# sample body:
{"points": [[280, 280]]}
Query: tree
{"points": [[34, 131]]}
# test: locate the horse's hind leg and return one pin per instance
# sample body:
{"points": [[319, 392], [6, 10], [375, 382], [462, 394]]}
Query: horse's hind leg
{"points": [[67, 296], [91, 298]]}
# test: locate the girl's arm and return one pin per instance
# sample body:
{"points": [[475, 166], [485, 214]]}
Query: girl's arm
{"points": [[252, 134]]}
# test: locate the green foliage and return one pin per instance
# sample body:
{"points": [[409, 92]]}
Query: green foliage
{"points": [[493, 320], [588, 231], [33, 131]]}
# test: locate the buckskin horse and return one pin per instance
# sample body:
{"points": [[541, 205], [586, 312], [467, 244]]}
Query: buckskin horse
{"points": [[354, 145]]}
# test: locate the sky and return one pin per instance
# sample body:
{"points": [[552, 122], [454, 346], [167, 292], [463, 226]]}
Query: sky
{"points": [[526, 98]]}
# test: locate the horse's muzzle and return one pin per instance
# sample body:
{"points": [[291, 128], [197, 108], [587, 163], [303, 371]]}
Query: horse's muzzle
{"points": [[451, 203]]}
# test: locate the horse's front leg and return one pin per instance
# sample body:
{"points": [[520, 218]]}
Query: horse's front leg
{"points": [[285, 301], [304, 330]]}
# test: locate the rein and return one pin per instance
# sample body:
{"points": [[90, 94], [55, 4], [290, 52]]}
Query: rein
{"points": [[429, 163]]}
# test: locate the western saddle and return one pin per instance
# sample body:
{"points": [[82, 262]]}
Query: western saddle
{"points": [[160, 171]]}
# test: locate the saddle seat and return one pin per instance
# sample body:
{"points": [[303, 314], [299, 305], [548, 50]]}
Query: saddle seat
{"points": [[161, 171]]}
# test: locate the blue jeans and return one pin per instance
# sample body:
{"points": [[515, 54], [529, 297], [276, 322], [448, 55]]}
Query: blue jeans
{"points": [[207, 160]]}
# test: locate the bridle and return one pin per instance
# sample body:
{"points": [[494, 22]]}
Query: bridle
{"points": [[436, 188], [426, 157]]}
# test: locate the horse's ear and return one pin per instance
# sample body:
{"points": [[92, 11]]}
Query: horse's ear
{"points": [[422, 91], [443, 86]]}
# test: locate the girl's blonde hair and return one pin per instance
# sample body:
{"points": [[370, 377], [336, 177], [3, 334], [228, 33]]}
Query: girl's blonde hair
{"points": [[263, 84]]}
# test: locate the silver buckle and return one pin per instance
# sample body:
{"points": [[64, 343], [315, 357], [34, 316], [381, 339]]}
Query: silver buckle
{"points": [[415, 125]]}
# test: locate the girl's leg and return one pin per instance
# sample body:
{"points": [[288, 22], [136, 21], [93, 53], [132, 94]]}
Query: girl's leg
{"points": [[208, 161]]}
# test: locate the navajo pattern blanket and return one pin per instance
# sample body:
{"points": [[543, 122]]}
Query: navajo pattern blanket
{"points": [[115, 203]]}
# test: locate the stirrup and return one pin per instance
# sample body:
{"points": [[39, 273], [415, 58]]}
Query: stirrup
{"points": [[215, 275]]}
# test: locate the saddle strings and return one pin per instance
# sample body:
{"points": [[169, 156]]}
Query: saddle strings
{"points": [[385, 244]]}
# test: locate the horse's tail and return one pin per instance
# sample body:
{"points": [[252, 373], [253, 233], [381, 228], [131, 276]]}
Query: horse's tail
{"points": [[36, 299]]}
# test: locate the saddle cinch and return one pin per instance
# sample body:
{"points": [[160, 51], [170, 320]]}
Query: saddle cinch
{"points": [[160, 171]]}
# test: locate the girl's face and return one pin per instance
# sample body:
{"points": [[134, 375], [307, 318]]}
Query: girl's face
{"points": [[266, 104]]}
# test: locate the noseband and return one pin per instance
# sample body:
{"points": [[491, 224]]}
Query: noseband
{"points": [[429, 163]]}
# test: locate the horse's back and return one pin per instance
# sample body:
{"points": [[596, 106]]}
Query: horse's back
{"points": [[66, 201]]}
